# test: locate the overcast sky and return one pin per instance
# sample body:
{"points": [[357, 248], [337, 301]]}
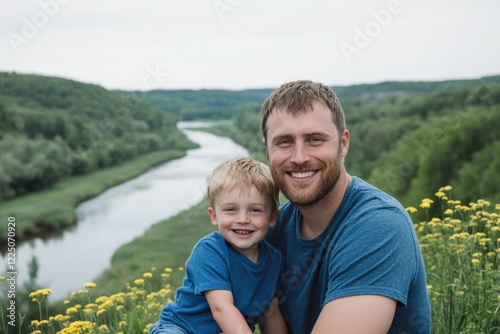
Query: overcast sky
{"points": [[237, 44]]}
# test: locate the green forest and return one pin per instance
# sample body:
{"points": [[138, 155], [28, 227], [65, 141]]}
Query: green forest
{"points": [[407, 138], [412, 139], [53, 128], [63, 141]]}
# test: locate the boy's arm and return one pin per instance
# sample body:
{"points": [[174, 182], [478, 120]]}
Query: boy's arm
{"points": [[273, 321], [225, 313]]}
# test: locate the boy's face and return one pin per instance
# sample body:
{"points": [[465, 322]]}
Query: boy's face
{"points": [[243, 218]]}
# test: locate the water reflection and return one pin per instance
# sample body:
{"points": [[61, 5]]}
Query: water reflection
{"points": [[122, 213]]}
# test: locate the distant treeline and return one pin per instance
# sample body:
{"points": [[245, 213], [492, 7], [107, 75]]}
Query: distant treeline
{"points": [[221, 104], [53, 128], [408, 138], [413, 143]]}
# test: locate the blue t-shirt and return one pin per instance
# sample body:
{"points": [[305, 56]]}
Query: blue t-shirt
{"points": [[368, 248], [215, 265]]}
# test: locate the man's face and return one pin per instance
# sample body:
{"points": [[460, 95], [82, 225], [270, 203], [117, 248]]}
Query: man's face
{"points": [[305, 153]]}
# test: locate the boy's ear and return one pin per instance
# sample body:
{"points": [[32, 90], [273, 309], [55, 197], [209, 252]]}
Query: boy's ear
{"points": [[213, 218], [274, 217]]}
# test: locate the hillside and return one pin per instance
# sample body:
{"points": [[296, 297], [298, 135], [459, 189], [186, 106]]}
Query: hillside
{"points": [[53, 128], [406, 137], [221, 104], [410, 144]]}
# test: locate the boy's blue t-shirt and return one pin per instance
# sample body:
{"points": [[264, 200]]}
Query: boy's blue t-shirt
{"points": [[369, 248], [215, 265]]}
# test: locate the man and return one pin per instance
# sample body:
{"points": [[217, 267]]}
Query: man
{"points": [[352, 259]]}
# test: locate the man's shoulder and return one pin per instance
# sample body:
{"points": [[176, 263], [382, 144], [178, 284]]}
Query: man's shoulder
{"points": [[363, 193]]}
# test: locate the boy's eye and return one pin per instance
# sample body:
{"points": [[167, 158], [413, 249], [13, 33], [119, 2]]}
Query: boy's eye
{"points": [[255, 210]]}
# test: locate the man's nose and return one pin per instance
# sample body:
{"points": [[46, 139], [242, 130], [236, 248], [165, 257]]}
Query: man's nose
{"points": [[300, 154]]}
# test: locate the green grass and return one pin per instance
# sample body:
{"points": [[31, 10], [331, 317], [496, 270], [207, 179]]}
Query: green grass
{"points": [[53, 209], [165, 244]]}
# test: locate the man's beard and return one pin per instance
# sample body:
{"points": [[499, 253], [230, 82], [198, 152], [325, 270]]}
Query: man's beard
{"points": [[330, 176]]}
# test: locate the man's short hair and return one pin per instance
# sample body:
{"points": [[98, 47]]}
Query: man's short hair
{"points": [[299, 96]]}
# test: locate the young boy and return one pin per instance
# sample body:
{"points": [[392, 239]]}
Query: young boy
{"points": [[232, 274]]}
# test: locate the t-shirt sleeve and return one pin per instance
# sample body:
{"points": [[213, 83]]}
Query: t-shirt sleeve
{"points": [[208, 266], [375, 255]]}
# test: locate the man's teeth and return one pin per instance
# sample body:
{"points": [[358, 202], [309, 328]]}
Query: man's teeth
{"points": [[302, 175]]}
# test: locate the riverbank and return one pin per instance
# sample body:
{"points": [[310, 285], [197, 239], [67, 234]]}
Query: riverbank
{"points": [[165, 244], [49, 212]]}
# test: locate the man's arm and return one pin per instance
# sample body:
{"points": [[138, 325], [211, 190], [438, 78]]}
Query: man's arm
{"points": [[273, 321], [225, 313], [363, 314]]}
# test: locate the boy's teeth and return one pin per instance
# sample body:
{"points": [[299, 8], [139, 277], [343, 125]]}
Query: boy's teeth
{"points": [[242, 232], [302, 175]]}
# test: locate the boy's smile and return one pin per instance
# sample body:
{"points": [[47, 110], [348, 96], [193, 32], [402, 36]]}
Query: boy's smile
{"points": [[243, 219]]}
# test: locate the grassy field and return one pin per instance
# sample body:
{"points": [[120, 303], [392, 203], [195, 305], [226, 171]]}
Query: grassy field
{"points": [[165, 244], [461, 249], [52, 210]]}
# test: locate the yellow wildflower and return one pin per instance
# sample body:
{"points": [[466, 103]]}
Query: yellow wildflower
{"points": [[411, 209], [101, 299], [40, 293], [139, 281], [448, 212], [475, 261], [147, 275], [2, 278], [168, 270], [484, 241], [71, 310], [101, 311], [439, 194], [425, 205], [89, 285], [78, 327], [104, 328]]}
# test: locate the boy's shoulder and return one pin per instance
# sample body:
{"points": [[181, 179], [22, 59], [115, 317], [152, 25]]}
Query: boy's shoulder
{"points": [[214, 238]]}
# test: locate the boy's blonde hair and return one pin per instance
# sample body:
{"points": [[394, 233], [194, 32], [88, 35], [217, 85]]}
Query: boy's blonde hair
{"points": [[242, 174]]}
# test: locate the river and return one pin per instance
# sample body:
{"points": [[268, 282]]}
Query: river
{"points": [[122, 213]]}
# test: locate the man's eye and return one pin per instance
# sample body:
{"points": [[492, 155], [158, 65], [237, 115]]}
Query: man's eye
{"points": [[315, 141], [284, 142]]}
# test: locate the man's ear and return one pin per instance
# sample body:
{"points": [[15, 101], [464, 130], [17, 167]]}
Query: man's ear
{"points": [[213, 217], [274, 217]]}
